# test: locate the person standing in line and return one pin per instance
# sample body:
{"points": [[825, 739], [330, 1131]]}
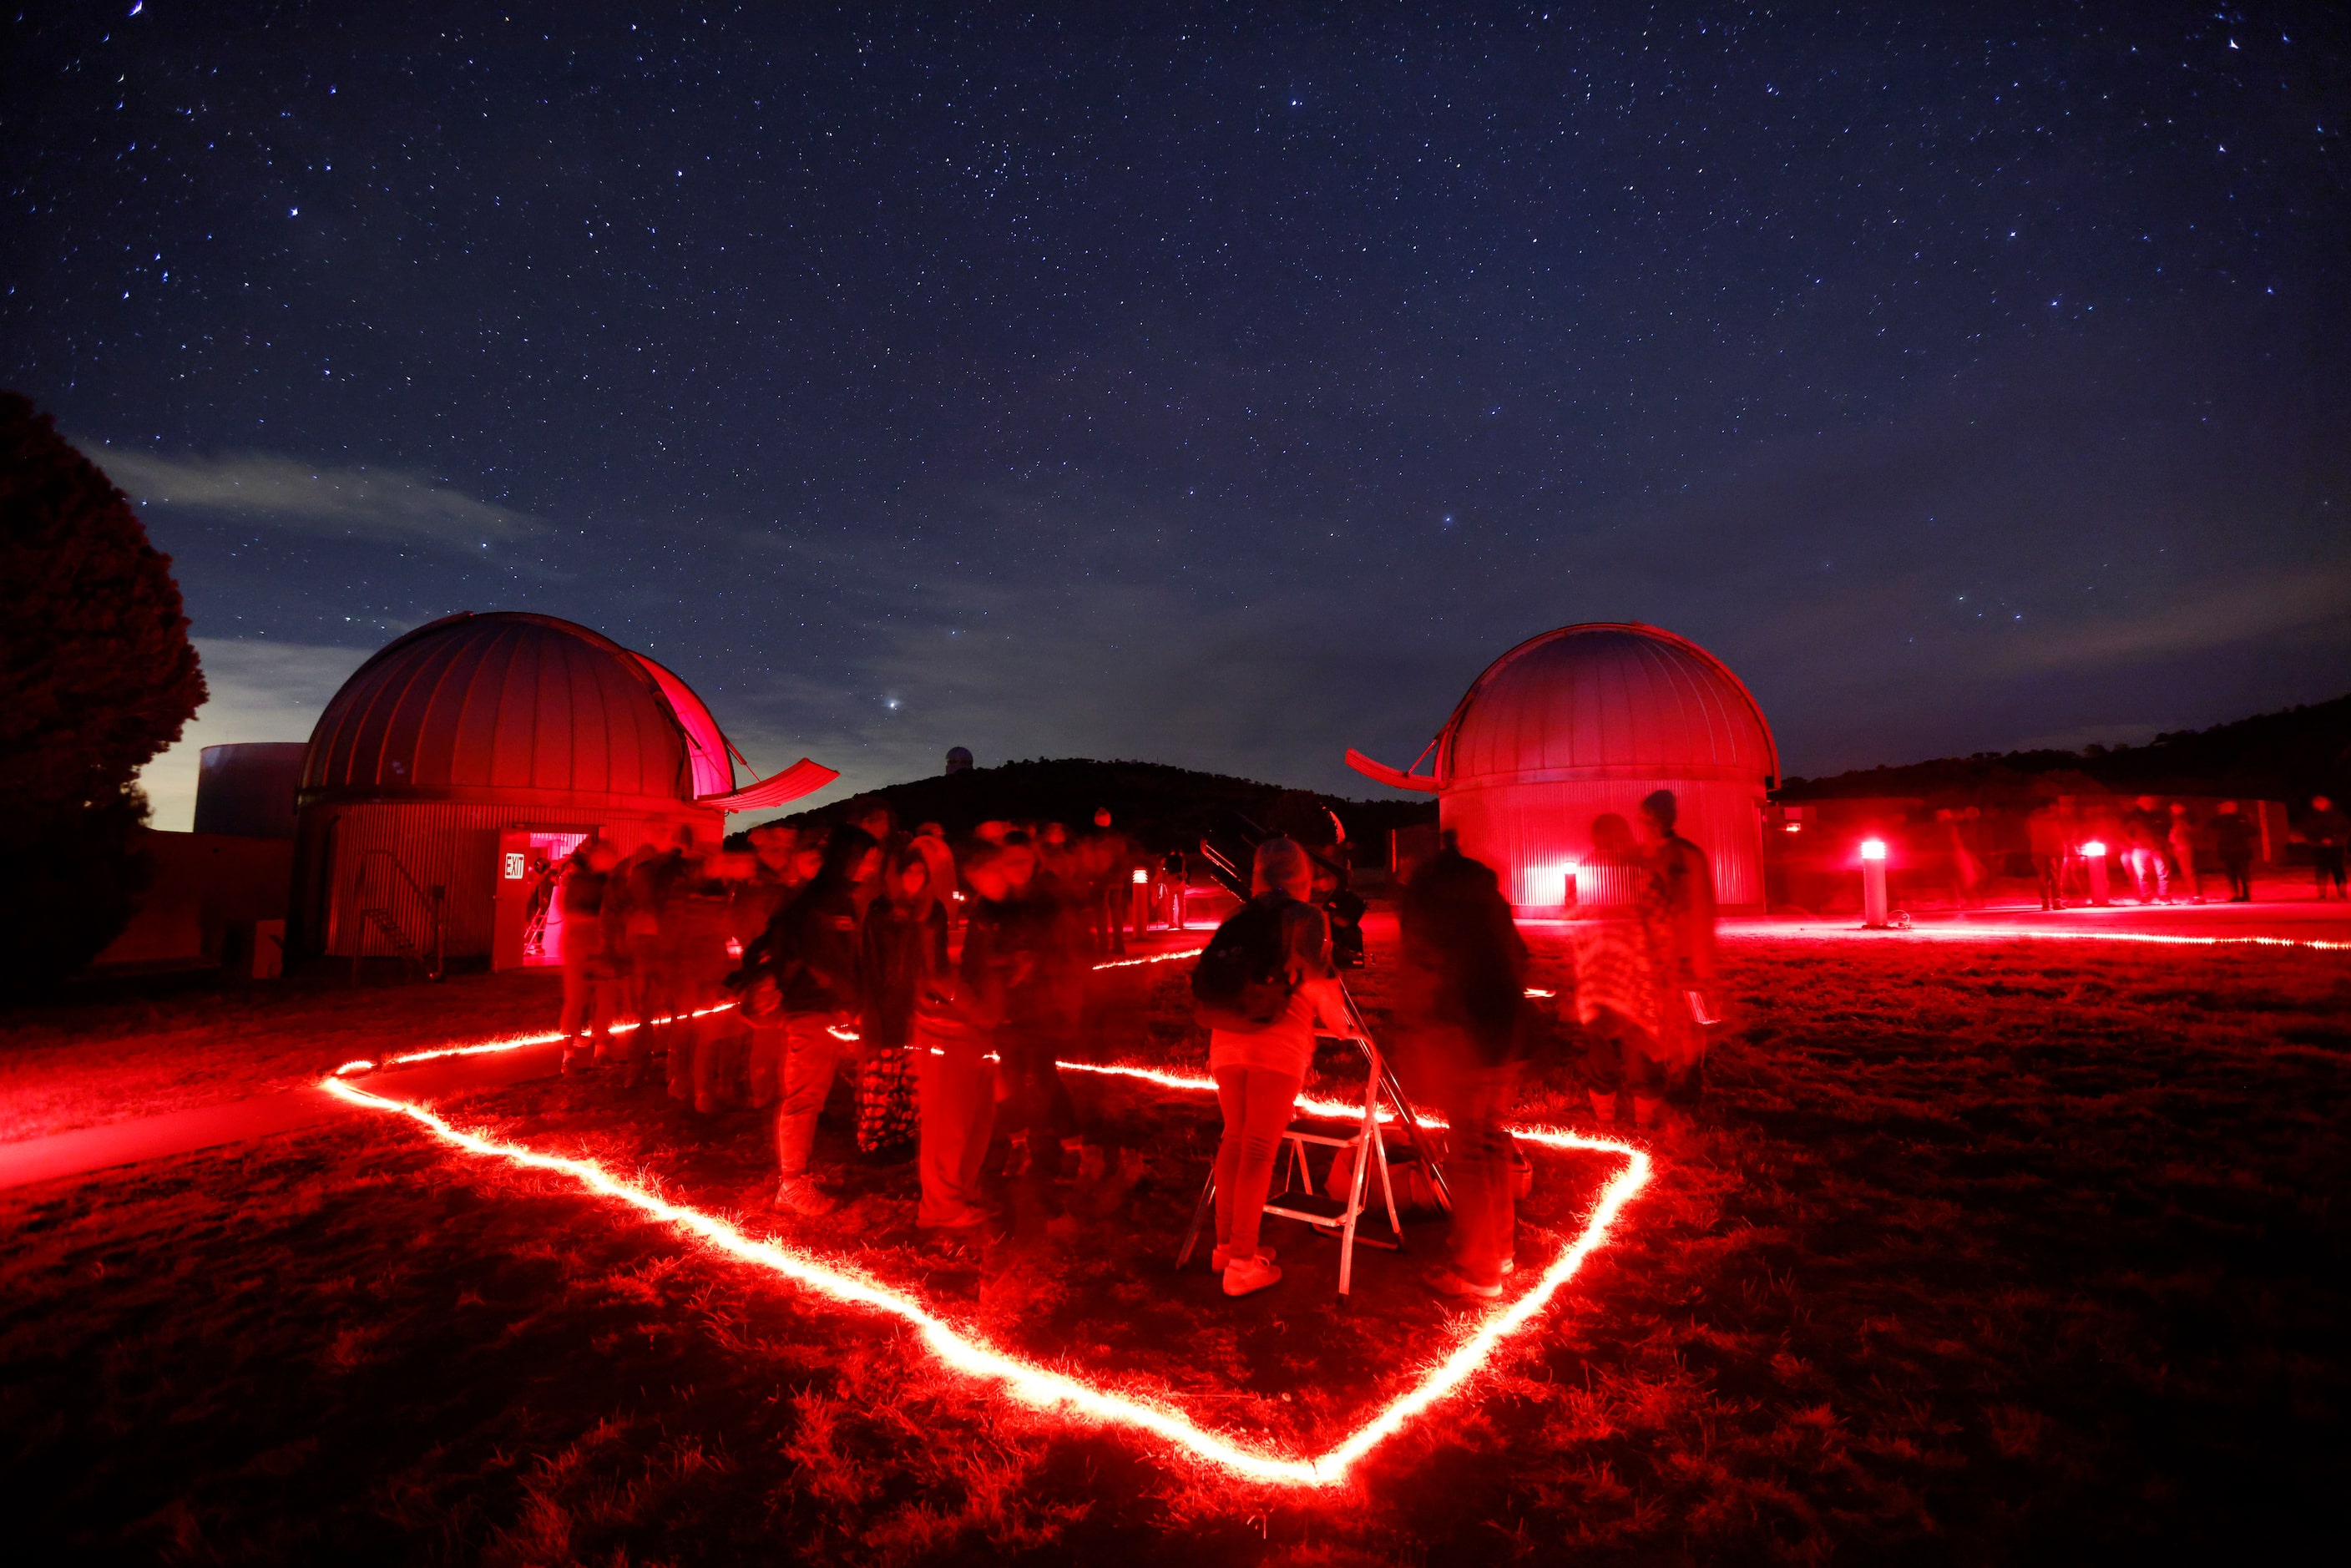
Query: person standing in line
{"points": [[2232, 842], [1263, 983], [2180, 839], [951, 1032], [587, 990], [627, 932], [1686, 883], [1463, 981], [2046, 832], [1966, 875], [671, 880], [876, 819], [930, 842], [768, 886], [809, 954], [902, 949], [1621, 987], [707, 915], [2144, 830], [1108, 858], [2327, 830]]}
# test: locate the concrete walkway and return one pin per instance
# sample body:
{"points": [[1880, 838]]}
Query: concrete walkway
{"points": [[91, 1150]]}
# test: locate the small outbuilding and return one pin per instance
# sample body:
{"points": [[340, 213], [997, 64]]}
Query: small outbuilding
{"points": [[1589, 719], [462, 763]]}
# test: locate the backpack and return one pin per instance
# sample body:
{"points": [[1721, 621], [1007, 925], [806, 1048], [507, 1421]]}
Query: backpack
{"points": [[1242, 984]]}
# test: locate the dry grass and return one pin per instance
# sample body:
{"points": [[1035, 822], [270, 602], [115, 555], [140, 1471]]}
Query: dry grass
{"points": [[1979, 1254], [196, 1040]]}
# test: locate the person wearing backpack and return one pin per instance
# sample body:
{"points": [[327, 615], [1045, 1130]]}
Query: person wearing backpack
{"points": [[1463, 982], [802, 974], [1261, 986]]}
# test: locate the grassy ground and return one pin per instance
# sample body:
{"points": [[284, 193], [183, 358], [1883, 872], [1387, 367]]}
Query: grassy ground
{"points": [[1978, 1253], [94, 1058]]}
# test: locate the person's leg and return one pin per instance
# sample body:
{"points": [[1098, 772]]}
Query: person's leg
{"points": [[1603, 1066], [1017, 1051], [811, 1055], [1482, 1229], [1479, 1173], [1232, 1101], [575, 1004], [1267, 1099], [677, 1034], [1647, 1072], [767, 1054], [958, 1092], [714, 1059]]}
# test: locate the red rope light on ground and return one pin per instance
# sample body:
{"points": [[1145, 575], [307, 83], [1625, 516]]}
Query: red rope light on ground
{"points": [[2041, 933], [1152, 958], [517, 1042], [1041, 1387]]}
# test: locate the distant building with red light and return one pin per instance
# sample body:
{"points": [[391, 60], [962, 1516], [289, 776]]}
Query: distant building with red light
{"points": [[468, 754], [1589, 719]]}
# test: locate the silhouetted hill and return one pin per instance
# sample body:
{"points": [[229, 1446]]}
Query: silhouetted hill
{"points": [[1162, 806], [2286, 756]]}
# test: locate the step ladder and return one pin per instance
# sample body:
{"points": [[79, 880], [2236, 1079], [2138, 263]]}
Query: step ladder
{"points": [[1300, 1199], [1226, 868]]}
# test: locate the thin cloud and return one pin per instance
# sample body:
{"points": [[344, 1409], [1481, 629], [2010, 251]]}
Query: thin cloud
{"points": [[2262, 605], [380, 505], [260, 691]]}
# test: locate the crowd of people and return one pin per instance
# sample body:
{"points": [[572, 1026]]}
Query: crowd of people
{"points": [[2164, 851], [758, 977]]}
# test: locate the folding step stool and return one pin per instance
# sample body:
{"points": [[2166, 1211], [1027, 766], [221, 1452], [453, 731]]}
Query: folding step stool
{"points": [[1300, 1199]]}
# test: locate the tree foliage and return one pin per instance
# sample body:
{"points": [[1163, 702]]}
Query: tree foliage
{"points": [[97, 675]]}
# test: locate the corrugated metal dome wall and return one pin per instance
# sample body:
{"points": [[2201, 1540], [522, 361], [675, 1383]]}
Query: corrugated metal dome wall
{"points": [[1589, 719], [1606, 697], [507, 702]]}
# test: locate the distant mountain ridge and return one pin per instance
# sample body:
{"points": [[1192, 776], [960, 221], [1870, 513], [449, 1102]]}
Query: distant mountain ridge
{"points": [[1162, 806], [2290, 756]]}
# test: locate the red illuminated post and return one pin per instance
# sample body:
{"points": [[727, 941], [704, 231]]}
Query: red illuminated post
{"points": [[1872, 884], [2094, 853]]}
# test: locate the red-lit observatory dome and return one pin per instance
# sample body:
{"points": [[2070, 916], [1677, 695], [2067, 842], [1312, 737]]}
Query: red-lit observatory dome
{"points": [[476, 704], [1588, 720], [463, 761], [1606, 697]]}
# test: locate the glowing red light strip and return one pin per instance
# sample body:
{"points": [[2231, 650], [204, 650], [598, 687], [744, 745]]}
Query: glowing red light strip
{"points": [[505, 1042], [1044, 1389], [1152, 958], [517, 1042], [2041, 933]]}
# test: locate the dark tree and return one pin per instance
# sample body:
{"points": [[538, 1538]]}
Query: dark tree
{"points": [[97, 675]]}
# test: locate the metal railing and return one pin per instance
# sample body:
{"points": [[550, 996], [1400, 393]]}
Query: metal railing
{"points": [[383, 918]]}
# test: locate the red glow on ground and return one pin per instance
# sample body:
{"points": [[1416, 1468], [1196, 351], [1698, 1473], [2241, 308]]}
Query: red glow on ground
{"points": [[1041, 1387], [1153, 959]]}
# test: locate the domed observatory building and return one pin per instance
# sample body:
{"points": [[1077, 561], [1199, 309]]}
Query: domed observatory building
{"points": [[1589, 719], [458, 767]]}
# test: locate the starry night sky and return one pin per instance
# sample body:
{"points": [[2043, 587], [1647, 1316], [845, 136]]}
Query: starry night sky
{"points": [[1217, 386]]}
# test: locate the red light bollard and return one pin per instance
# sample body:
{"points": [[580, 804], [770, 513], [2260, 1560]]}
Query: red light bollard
{"points": [[2093, 855], [1873, 884]]}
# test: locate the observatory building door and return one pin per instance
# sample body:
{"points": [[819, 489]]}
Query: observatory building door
{"points": [[527, 932]]}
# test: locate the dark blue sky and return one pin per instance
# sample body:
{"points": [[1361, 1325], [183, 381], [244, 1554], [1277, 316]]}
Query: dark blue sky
{"points": [[1221, 386]]}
